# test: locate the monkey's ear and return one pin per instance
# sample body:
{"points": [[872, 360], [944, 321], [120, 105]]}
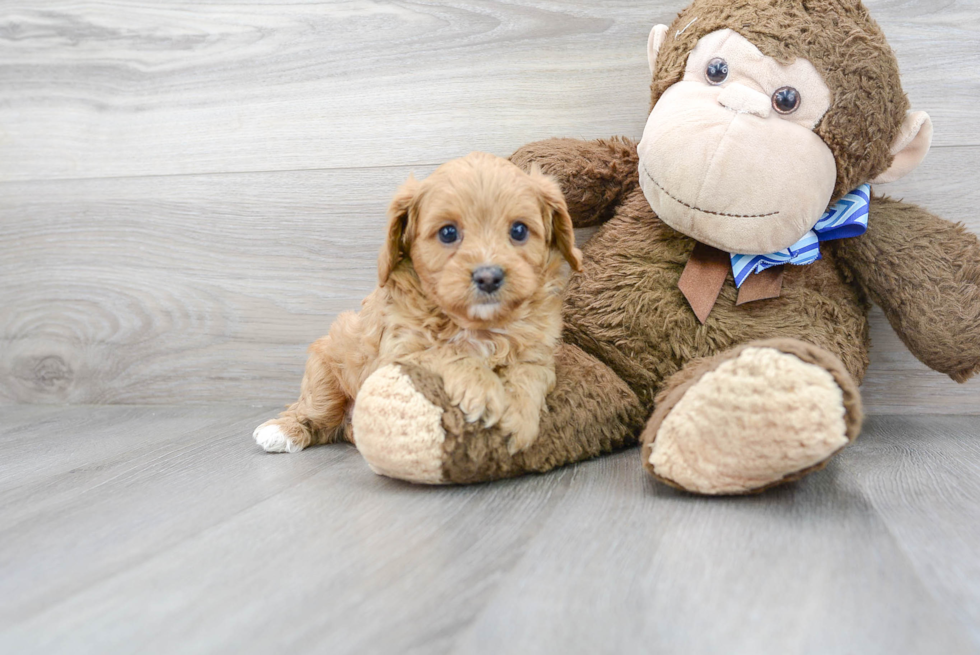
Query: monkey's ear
{"points": [[562, 232], [657, 37], [399, 216], [910, 147]]}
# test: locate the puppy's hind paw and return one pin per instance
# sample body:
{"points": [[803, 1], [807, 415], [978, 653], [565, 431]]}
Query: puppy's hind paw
{"points": [[273, 439]]}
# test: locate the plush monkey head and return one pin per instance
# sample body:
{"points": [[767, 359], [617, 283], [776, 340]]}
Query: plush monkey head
{"points": [[765, 112]]}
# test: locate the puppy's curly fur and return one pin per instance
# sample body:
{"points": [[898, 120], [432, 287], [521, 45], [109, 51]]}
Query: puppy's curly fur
{"points": [[493, 347]]}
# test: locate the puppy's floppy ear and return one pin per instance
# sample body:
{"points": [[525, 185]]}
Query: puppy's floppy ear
{"points": [[399, 217], [561, 233]]}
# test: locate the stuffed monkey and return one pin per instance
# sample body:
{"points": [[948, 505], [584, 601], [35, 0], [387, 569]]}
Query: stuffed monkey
{"points": [[721, 317]]}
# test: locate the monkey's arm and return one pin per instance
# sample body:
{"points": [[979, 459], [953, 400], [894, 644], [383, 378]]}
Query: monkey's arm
{"points": [[924, 272], [593, 175]]}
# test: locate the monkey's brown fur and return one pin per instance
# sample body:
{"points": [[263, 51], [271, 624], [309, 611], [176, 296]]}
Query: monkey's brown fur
{"points": [[626, 321]]}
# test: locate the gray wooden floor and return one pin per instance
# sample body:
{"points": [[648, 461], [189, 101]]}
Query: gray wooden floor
{"points": [[164, 530]]}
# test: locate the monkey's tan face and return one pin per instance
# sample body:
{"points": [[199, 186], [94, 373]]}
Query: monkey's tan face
{"points": [[699, 174]]}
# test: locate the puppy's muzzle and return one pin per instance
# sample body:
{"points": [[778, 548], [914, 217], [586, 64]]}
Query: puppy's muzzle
{"points": [[488, 278]]}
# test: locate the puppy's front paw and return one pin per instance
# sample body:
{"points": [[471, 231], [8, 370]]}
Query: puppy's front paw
{"points": [[274, 438], [495, 404], [479, 397], [522, 420], [522, 437]]}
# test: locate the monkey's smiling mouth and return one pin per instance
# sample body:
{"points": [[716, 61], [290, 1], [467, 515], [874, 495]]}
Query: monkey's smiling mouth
{"points": [[698, 209]]}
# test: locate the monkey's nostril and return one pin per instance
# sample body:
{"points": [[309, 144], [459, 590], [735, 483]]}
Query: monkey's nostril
{"points": [[488, 278]]}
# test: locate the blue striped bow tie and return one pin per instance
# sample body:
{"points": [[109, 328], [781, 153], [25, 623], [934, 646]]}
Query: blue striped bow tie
{"points": [[847, 218]]}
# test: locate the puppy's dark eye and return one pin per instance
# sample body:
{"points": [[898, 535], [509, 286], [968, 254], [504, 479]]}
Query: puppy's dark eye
{"points": [[518, 232], [448, 234], [786, 100], [717, 71]]}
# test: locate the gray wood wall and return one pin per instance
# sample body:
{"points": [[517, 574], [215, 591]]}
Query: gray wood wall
{"points": [[190, 192]]}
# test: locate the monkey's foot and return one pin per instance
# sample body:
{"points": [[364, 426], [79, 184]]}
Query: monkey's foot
{"points": [[397, 428], [406, 426], [751, 418]]}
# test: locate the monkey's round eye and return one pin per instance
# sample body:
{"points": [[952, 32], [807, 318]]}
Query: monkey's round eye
{"points": [[717, 71], [448, 234], [786, 100], [518, 232]]}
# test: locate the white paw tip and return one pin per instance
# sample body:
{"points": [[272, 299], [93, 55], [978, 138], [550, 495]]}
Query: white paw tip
{"points": [[273, 439]]}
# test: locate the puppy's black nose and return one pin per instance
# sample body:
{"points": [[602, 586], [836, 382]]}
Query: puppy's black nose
{"points": [[488, 278]]}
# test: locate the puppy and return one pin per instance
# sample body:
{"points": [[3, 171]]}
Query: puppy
{"points": [[470, 282]]}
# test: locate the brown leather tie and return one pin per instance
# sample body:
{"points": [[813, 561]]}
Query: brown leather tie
{"points": [[705, 275]]}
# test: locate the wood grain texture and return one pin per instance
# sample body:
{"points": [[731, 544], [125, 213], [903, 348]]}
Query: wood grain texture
{"points": [[221, 290], [190, 193], [908, 467], [161, 530], [216, 296], [154, 87]]}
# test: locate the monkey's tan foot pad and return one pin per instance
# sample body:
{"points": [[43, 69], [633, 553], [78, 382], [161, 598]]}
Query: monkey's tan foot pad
{"points": [[397, 428], [751, 418]]}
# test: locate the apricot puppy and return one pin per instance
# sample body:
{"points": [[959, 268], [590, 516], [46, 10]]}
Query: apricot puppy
{"points": [[470, 282]]}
